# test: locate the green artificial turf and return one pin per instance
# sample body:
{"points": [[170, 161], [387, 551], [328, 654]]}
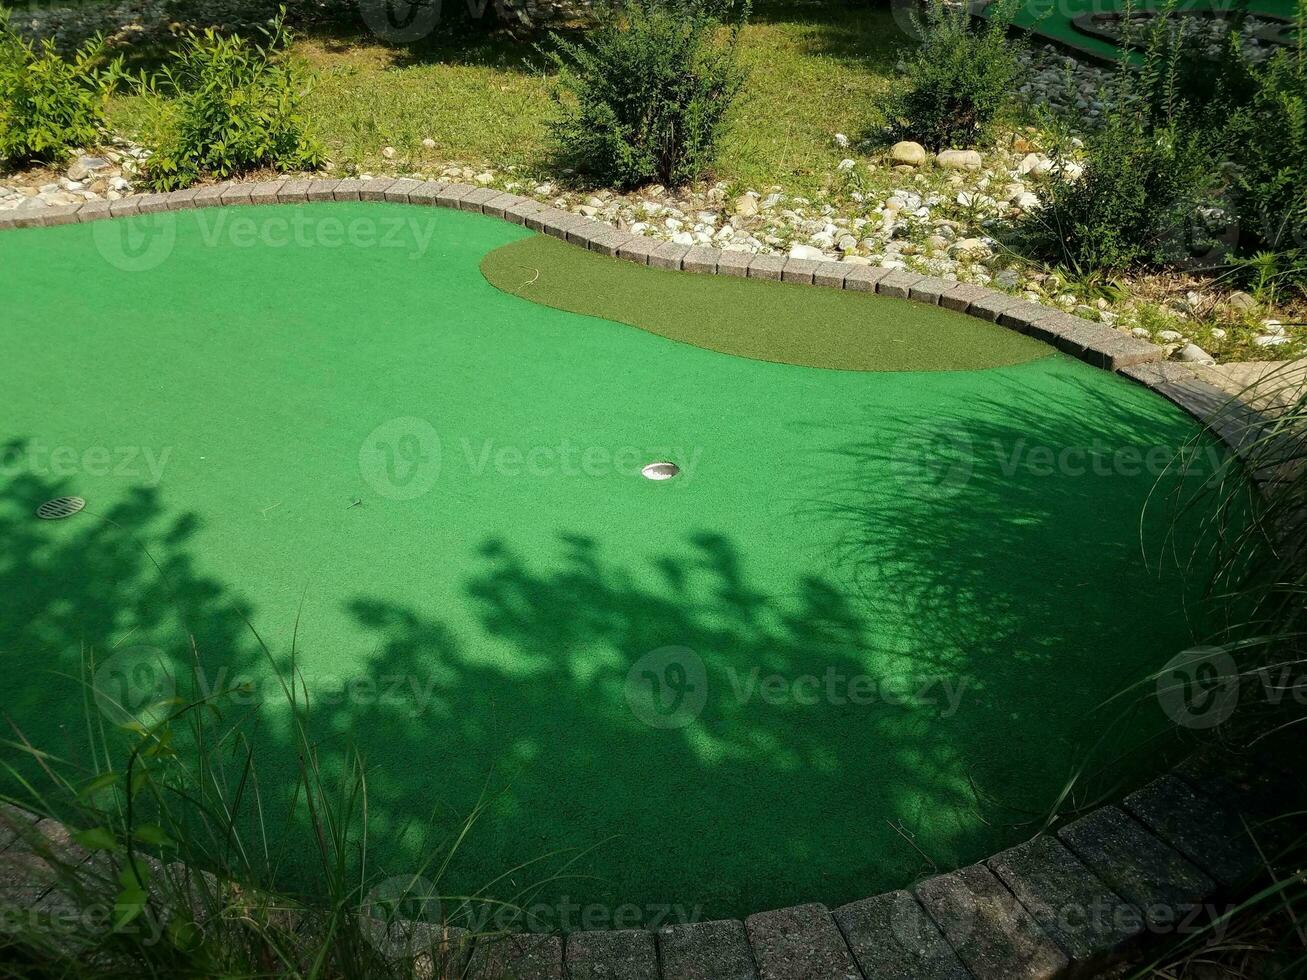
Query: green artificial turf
{"points": [[768, 321], [1054, 21], [905, 595]]}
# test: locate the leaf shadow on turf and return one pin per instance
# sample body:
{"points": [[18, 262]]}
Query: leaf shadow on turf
{"points": [[749, 799]]}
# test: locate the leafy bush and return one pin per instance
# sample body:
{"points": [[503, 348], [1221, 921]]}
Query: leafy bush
{"points": [[1269, 136], [645, 97], [48, 104], [1136, 201], [959, 80], [226, 107]]}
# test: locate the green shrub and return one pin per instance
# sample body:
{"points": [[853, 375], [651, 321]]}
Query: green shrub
{"points": [[226, 107], [1136, 201], [645, 97], [959, 80], [1268, 138], [48, 104]]}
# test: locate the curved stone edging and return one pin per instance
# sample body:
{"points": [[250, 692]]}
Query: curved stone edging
{"points": [[1061, 904]]}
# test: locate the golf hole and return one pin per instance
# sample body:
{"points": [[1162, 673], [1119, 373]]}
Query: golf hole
{"points": [[662, 470]]}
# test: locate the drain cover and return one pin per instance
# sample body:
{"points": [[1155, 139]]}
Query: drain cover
{"points": [[660, 471], [60, 507]]}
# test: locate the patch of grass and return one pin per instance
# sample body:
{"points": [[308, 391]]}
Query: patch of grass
{"points": [[813, 70], [767, 321]]}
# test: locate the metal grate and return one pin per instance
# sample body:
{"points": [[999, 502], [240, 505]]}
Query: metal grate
{"points": [[59, 508]]}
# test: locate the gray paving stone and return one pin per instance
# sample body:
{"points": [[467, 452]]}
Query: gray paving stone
{"points": [[767, 267], [668, 255], [960, 295], [49, 217], [237, 194], [1257, 789], [831, 274], [929, 289], [1022, 316], [93, 211], [637, 250], [436, 950], [520, 211], [716, 950], [398, 191], [994, 936], [182, 200], [210, 195], [321, 190], [14, 822], [1205, 831], [898, 283], [734, 264], [799, 270], [154, 203], [620, 954], [863, 278], [1136, 865], [27, 218], [497, 203], [609, 241], [557, 223], [988, 307], [517, 957], [477, 198], [450, 195], [1115, 350], [375, 189], [295, 191], [583, 231], [800, 943], [125, 207], [427, 193], [892, 938], [348, 189], [701, 258], [1157, 372], [1088, 921]]}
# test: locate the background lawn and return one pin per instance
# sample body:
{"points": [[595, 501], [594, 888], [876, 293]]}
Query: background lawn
{"points": [[814, 70]]}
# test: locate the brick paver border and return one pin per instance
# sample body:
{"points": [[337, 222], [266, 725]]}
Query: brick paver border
{"points": [[1061, 904]]}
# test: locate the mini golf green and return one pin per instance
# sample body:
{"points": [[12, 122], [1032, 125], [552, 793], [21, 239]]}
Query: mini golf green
{"points": [[863, 635]]}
